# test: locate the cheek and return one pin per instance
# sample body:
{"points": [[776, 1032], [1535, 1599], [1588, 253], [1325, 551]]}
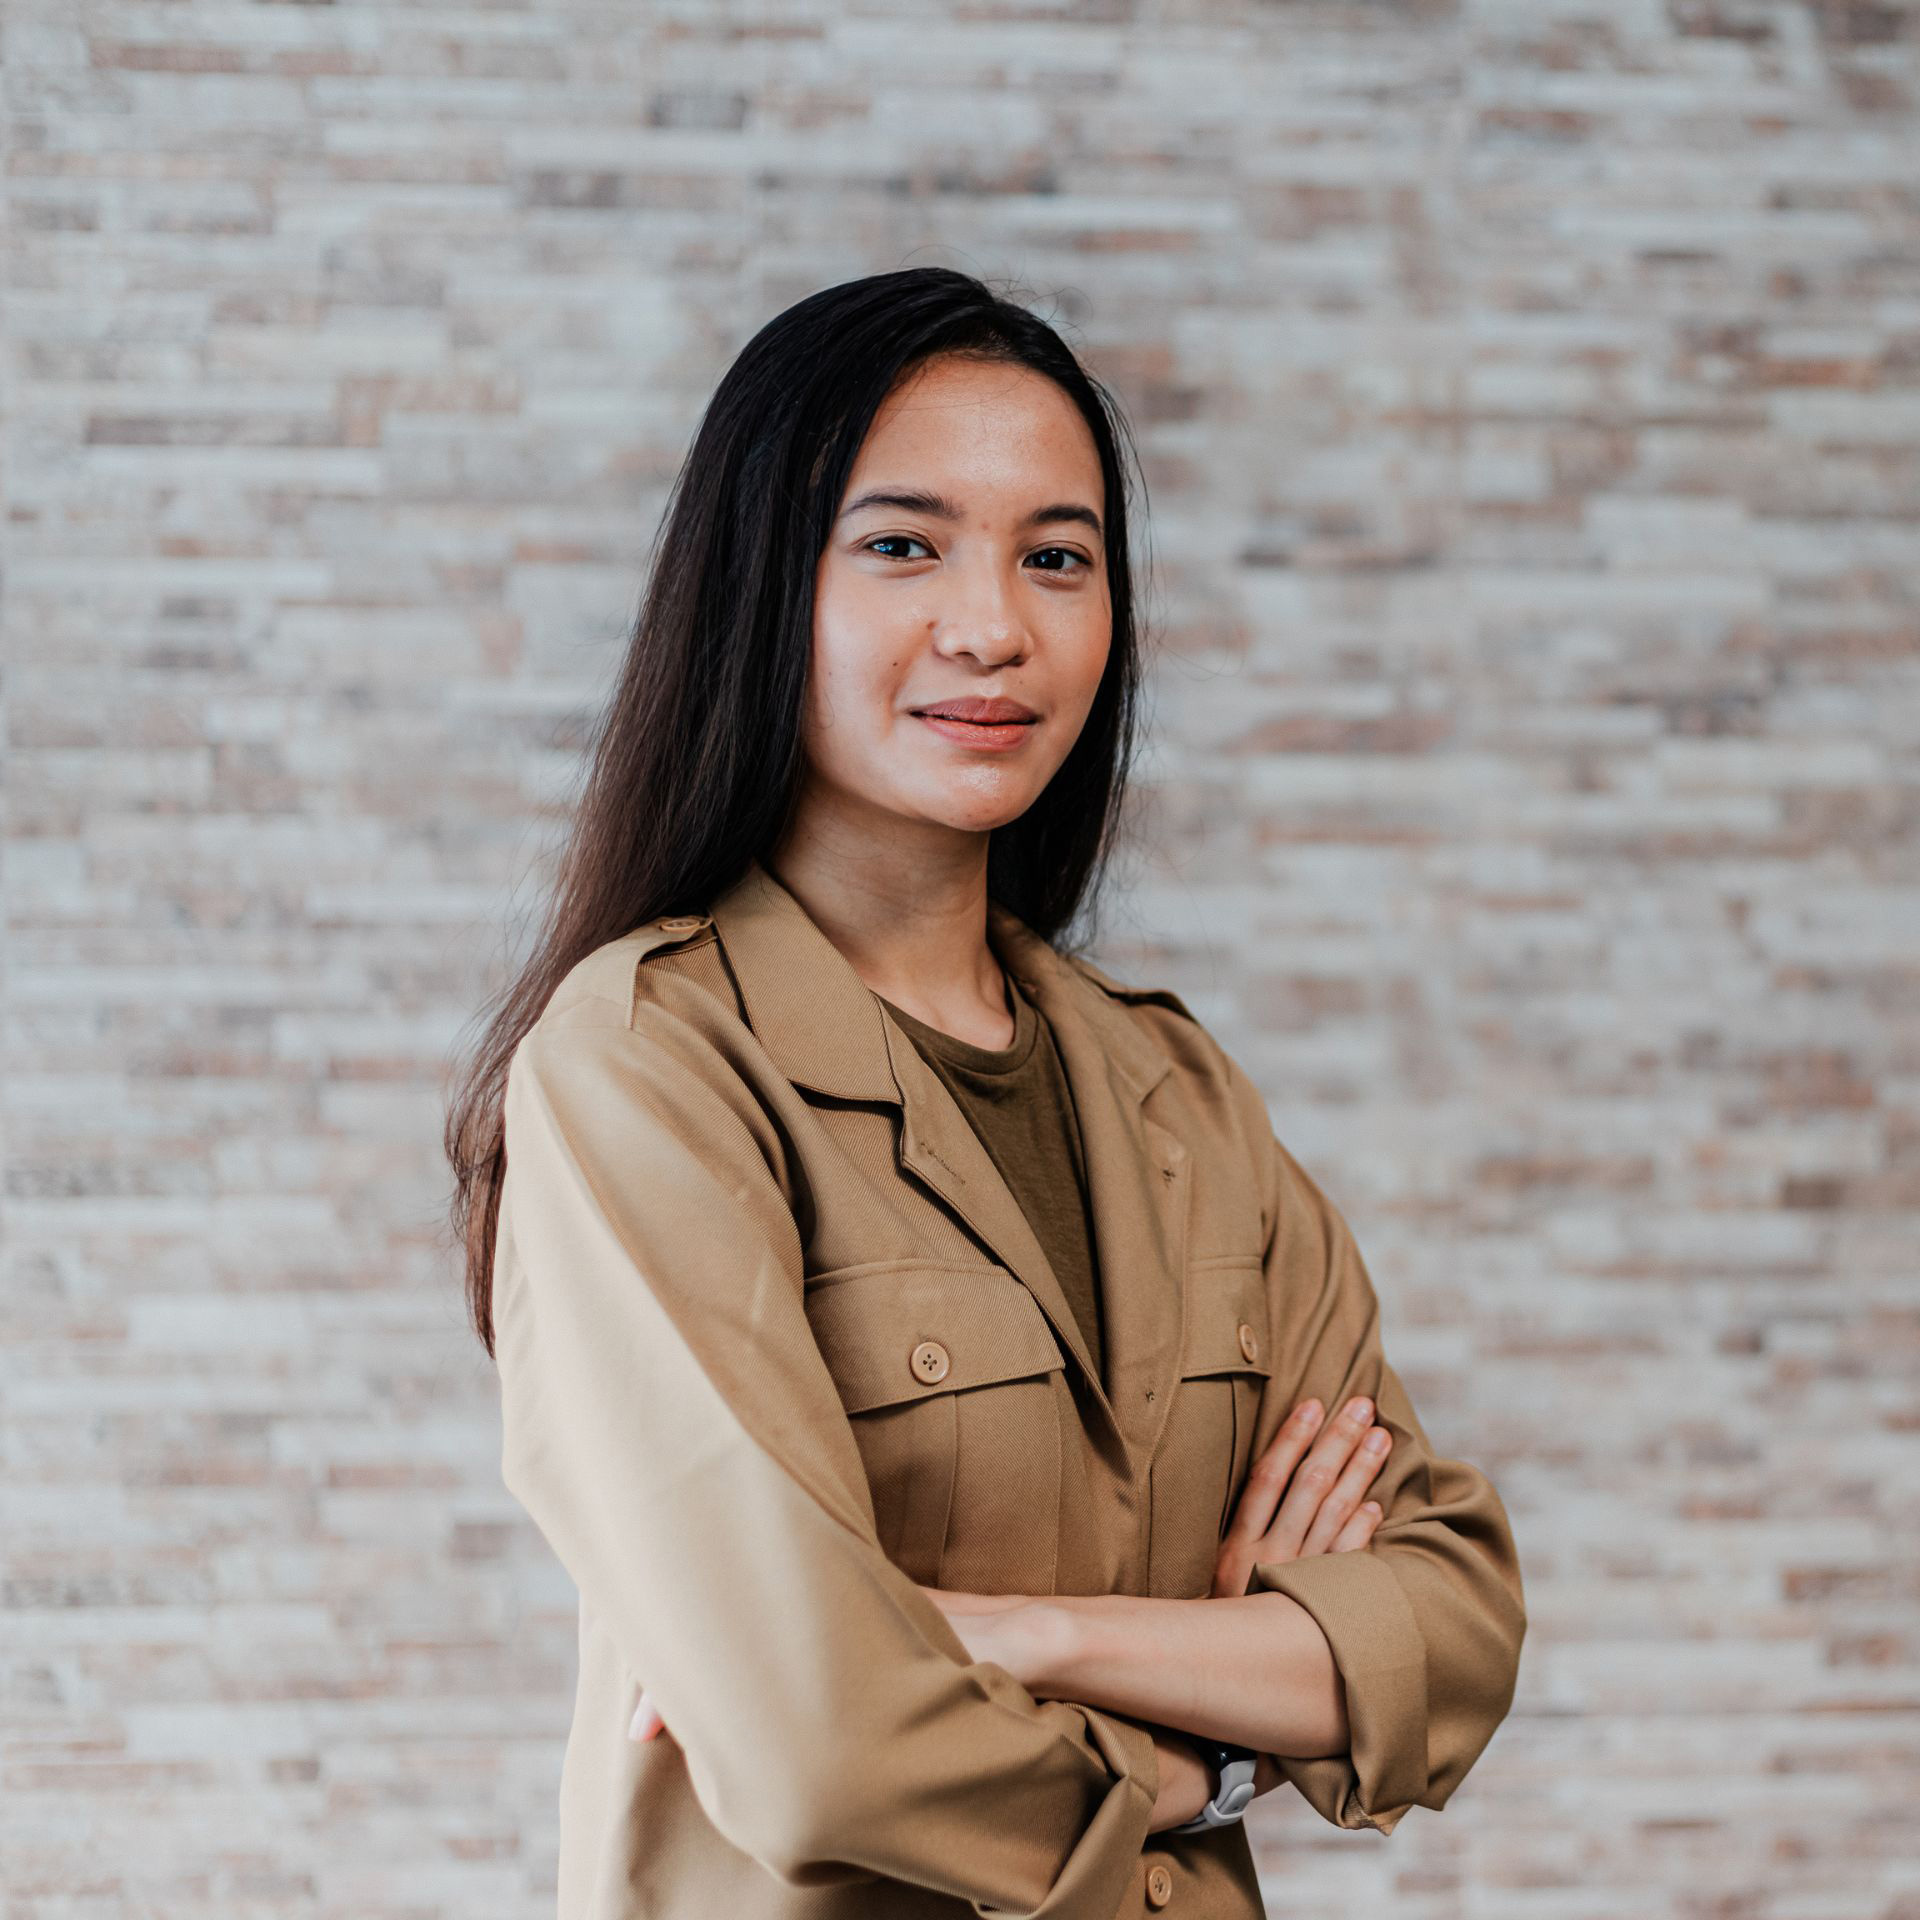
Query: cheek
{"points": [[853, 686], [1084, 655], [858, 642]]}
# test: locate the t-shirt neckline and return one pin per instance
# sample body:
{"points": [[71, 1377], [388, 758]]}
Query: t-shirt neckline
{"points": [[963, 1053]]}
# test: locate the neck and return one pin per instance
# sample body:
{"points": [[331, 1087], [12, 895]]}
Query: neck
{"points": [[911, 922]]}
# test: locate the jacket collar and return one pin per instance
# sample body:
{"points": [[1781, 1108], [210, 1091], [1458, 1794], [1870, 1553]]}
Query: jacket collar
{"points": [[826, 1030]]}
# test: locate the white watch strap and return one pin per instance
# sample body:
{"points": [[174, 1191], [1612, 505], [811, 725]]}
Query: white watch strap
{"points": [[1231, 1798]]}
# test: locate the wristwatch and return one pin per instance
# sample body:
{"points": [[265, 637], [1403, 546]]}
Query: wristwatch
{"points": [[1233, 1771]]}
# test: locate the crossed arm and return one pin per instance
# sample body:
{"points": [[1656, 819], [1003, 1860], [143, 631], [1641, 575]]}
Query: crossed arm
{"points": [[1254, 1668]]}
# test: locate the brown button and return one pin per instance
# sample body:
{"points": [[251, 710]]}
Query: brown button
{"points": [[683, 922], [929, 1361], [1159, 1886], [1249, 1342]]}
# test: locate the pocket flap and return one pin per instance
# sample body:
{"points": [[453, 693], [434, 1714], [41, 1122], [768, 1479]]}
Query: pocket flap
{"points": [[870, 1326], [1226, 1321]]}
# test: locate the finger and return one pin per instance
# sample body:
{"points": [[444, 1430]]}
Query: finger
{"points": [[1361, 1471], [1358, 1530], [646, 1722], [1246, 1539], [1268, 1476], [1231, 1565], [1314, 1479]]}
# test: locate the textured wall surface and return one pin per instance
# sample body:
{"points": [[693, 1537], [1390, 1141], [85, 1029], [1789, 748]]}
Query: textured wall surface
{"points": [[1530, 399]]}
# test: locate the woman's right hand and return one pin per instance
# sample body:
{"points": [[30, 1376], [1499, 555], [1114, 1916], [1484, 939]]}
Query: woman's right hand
{"points": [[646, 1721], [1322, 1511]]}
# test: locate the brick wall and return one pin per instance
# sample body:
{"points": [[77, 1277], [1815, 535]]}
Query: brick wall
{"points": [[1531, 403]]}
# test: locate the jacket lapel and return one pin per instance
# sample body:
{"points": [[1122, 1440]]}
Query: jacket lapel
{"points": [[825, 1029], [1137, 1178]]}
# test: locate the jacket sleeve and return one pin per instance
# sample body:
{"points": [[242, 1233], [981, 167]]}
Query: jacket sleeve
{"points": [[1426, 1621], [672, 1429]]}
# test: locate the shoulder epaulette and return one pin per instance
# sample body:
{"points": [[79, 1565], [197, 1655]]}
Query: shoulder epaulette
{"points": [[610, 971], [669, 930]]}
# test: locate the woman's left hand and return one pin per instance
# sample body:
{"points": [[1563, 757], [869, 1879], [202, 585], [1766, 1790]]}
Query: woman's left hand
{"points": [[1321, 1511]]}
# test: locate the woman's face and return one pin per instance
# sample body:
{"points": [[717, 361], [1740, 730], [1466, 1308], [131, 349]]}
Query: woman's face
{"points": [[981, 578]]}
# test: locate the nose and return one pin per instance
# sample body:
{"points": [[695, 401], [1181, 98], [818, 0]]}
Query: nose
{"points": [[983, 619]]}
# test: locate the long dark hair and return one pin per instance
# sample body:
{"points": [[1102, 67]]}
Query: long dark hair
{"points": [[696, 767]]}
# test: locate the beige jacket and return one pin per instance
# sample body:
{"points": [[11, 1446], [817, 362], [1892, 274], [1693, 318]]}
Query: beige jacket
{"points": [[775, 1342]]}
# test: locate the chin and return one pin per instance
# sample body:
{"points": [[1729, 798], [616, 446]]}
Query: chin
{"points": [[970, 822]]}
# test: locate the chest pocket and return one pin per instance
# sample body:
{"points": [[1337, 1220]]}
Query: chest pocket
{"points": [[953, 1383], [1207, 1447]]}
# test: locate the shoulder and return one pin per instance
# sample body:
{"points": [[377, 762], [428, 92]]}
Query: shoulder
{"points": [[633, 1002], [614, 973], [1168, 1021], [1131, 995], [642, 1034]]}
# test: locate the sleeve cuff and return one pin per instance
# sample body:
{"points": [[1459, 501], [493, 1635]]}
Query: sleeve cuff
{"points": [[1128, 1748], [1093, 1883], [1382, 1657]]}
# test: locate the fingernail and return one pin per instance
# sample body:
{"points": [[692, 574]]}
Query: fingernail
{"points": [[1360, 1409], [1376, 1441], [1308, 1413]]}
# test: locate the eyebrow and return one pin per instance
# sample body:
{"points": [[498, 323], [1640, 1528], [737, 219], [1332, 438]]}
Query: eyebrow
{"points": [[939, 507]]}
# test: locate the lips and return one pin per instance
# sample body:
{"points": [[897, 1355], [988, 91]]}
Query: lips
{"points": [[980, 725], [981, 712]]}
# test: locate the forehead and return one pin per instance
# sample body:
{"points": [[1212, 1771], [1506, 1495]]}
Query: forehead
{"points": [[968, 424]]}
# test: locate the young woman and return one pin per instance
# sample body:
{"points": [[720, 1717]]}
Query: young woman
{"points": [[966, 1424]]}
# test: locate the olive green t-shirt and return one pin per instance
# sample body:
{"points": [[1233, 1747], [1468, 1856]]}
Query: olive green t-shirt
{"points": [[1019, 1103]]}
